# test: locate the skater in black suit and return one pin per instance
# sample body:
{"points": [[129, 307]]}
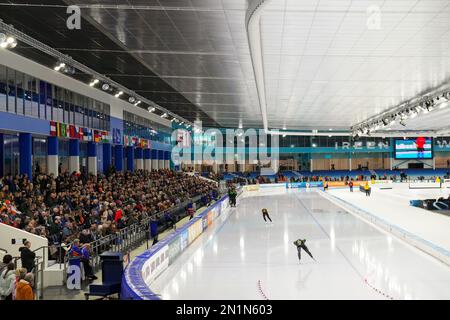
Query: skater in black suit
{"points": [[266, 215], [300, 244]]}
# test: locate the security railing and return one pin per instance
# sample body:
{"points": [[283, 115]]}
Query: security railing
{"points": [[130, 238]]}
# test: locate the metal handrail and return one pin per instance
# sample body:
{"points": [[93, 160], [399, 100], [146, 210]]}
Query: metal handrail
{"points": [[4, 250]]}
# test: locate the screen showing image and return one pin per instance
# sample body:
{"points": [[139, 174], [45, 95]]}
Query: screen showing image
{"points": [[414, 148]]}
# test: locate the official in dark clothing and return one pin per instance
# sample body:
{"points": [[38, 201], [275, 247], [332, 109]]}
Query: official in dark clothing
{"points": [[27, 256], [300, 244]]}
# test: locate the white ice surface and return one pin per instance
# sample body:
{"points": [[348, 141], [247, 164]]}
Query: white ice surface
{"points": [[393, 207], [229, 259]]}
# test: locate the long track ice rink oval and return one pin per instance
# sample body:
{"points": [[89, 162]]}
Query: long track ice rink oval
{"points": [[247, 258]]}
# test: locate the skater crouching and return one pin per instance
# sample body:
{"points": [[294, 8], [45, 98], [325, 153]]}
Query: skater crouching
{"points": [[266, 215], [300, 244]]}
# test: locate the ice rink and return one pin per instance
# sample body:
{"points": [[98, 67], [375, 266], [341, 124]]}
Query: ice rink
{"points": [[247, 258]]}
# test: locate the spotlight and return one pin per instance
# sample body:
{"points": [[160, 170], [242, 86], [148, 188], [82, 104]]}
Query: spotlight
{"points": [[138, 103], [131, 99], [7, 42], [385, 122], [94, 82], [151, 109], [118, 94], [402, 123], [59, 66], [105, 87], [164, 115]]}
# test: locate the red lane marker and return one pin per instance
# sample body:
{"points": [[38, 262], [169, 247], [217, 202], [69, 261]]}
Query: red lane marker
{"points": [[261, 291], [378, 291]]}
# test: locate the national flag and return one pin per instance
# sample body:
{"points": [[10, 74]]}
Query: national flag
{"points": [[85, 134], [63, 130], [53, 129], [72, 131], [80, 133], [105, 136], [97, 136]]}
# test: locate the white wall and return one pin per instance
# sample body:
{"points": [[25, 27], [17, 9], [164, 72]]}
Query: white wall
{"points": [[7, 233], [17, 62]]}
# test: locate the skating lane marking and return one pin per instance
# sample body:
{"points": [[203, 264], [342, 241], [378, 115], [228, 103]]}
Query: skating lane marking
{"points": [[261, 291]]}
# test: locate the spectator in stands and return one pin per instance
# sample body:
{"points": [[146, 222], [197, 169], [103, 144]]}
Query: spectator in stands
{"points": [[61, 207], [7, 282], [7, 259], [24, 289], [27, 256]]}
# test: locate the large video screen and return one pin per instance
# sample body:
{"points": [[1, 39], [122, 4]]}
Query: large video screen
{"points": [[414, 148]]}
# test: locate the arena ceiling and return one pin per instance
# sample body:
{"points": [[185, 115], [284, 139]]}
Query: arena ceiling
{"points": [[328, 64]]}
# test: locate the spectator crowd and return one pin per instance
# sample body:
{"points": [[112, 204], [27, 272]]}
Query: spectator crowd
{"points": [[76, 206]]}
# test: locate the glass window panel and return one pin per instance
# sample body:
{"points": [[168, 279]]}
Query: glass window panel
{"points": [[12, 92], [34, 97], [21, 93], [3, 88]]}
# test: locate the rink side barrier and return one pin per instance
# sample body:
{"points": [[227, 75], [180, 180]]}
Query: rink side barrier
{"points": [[414, 240], [141, 272]]}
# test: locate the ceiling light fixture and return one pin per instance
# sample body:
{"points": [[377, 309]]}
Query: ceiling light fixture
{"points": [[59, 66], [118, 94], [94, 82], [7, 42]]}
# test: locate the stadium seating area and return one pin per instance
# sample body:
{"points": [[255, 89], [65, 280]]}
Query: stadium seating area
{"points": [[59, 208]]}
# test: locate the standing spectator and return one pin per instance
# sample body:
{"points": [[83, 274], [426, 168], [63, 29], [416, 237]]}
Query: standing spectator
{"points": [[7, 258], [190, 211], [27, 256], [7, 282], [24, 290], [85, 254]]}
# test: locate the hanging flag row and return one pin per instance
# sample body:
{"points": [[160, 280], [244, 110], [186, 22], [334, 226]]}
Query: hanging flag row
{"points": [[132, 141], [58, 129]]}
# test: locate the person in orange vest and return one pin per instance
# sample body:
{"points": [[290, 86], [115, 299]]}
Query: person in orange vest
{"points": [[24, 290]]}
